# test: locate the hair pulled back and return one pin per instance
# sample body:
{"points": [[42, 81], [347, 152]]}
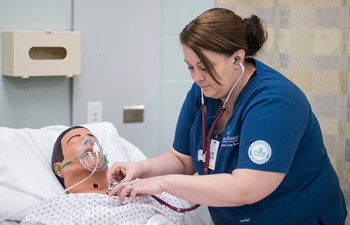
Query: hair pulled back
{"points": [[222, 31]]}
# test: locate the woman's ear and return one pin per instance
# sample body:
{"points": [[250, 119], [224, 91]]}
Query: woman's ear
{"points": [[238, 56], [56, 167]]}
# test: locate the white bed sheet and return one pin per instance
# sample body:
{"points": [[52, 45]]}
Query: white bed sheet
{"points": [[27, 179]]}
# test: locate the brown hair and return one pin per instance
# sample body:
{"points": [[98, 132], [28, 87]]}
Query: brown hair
{"points": [[222, 31]]}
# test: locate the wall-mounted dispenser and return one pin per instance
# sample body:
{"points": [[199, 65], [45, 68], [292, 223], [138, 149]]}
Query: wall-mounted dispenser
{"points": [[41, 53]]}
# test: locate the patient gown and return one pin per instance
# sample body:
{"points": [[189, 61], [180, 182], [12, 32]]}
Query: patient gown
{"points": [[91, 208]]}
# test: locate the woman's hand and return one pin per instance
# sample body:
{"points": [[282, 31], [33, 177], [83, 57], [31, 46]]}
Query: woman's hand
{"points": [[152, 171], [124, 171], [138, 187]]}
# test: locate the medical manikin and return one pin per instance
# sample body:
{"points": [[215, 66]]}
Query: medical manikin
{"points": [[83, 164], [79, 162]]}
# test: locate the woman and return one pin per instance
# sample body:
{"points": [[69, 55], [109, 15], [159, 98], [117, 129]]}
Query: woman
{"points": [[246, 126]]}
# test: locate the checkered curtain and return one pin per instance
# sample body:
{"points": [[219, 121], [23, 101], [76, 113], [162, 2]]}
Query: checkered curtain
{"points": [[309, 43]]}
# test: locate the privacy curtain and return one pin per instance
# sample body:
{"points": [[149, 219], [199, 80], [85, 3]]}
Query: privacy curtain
{"points": [[309, 43]]}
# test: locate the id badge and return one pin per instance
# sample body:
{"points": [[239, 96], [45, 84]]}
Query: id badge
{"points": [[214, 147]]}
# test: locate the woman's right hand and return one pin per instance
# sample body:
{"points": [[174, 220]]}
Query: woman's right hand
{"points": [[124, 171]]}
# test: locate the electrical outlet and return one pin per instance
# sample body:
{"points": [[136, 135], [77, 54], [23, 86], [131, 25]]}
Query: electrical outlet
{"points": [[94, 112]]}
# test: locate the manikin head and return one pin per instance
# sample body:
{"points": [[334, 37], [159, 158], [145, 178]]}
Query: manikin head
{"points": [[76, 154]]}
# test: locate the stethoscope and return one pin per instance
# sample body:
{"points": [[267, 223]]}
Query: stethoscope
{"points": [[205, 151], [205, 142]]}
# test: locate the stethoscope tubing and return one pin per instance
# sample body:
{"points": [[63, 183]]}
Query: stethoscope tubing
{"points": [[206, 141]]}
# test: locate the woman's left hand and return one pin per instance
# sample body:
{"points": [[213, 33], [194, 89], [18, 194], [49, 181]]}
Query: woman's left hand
{"points": [[138, 187]]}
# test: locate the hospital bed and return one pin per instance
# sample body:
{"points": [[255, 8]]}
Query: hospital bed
{"points": [[26, 177]]}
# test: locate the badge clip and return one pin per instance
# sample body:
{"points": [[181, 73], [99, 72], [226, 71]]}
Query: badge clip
{"points": [[201, 156]]}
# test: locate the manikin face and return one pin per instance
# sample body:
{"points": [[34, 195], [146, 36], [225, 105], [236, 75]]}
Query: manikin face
{"points": [[222, 64], [71, 169]]}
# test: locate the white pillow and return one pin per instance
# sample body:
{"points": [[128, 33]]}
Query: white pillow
{"points": [[25, 164]]}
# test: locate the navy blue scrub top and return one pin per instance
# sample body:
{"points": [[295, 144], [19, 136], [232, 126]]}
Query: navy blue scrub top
{"points": [[272, 128]]}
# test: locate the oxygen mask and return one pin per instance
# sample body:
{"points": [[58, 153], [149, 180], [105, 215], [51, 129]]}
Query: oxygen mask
{"points": [[92, 154]]}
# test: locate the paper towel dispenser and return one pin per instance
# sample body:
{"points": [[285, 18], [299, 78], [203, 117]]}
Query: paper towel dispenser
{"points": [[41, 53]]}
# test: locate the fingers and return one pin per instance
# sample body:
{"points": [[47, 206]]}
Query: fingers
{"points": [[138, 187], [116, 173], [123, 190], [111, 173]]}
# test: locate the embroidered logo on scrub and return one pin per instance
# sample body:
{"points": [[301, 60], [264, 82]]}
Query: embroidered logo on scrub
{"points": [[259, 152]]}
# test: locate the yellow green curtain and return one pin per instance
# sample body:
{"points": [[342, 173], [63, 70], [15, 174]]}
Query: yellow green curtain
{"points": [[309, 43]]}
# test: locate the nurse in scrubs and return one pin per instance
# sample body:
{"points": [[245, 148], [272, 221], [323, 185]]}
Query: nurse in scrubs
{"points": [[247, 131]]}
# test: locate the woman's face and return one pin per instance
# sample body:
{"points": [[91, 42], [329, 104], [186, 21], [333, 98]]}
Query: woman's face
{"points": [[222, 64]]}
